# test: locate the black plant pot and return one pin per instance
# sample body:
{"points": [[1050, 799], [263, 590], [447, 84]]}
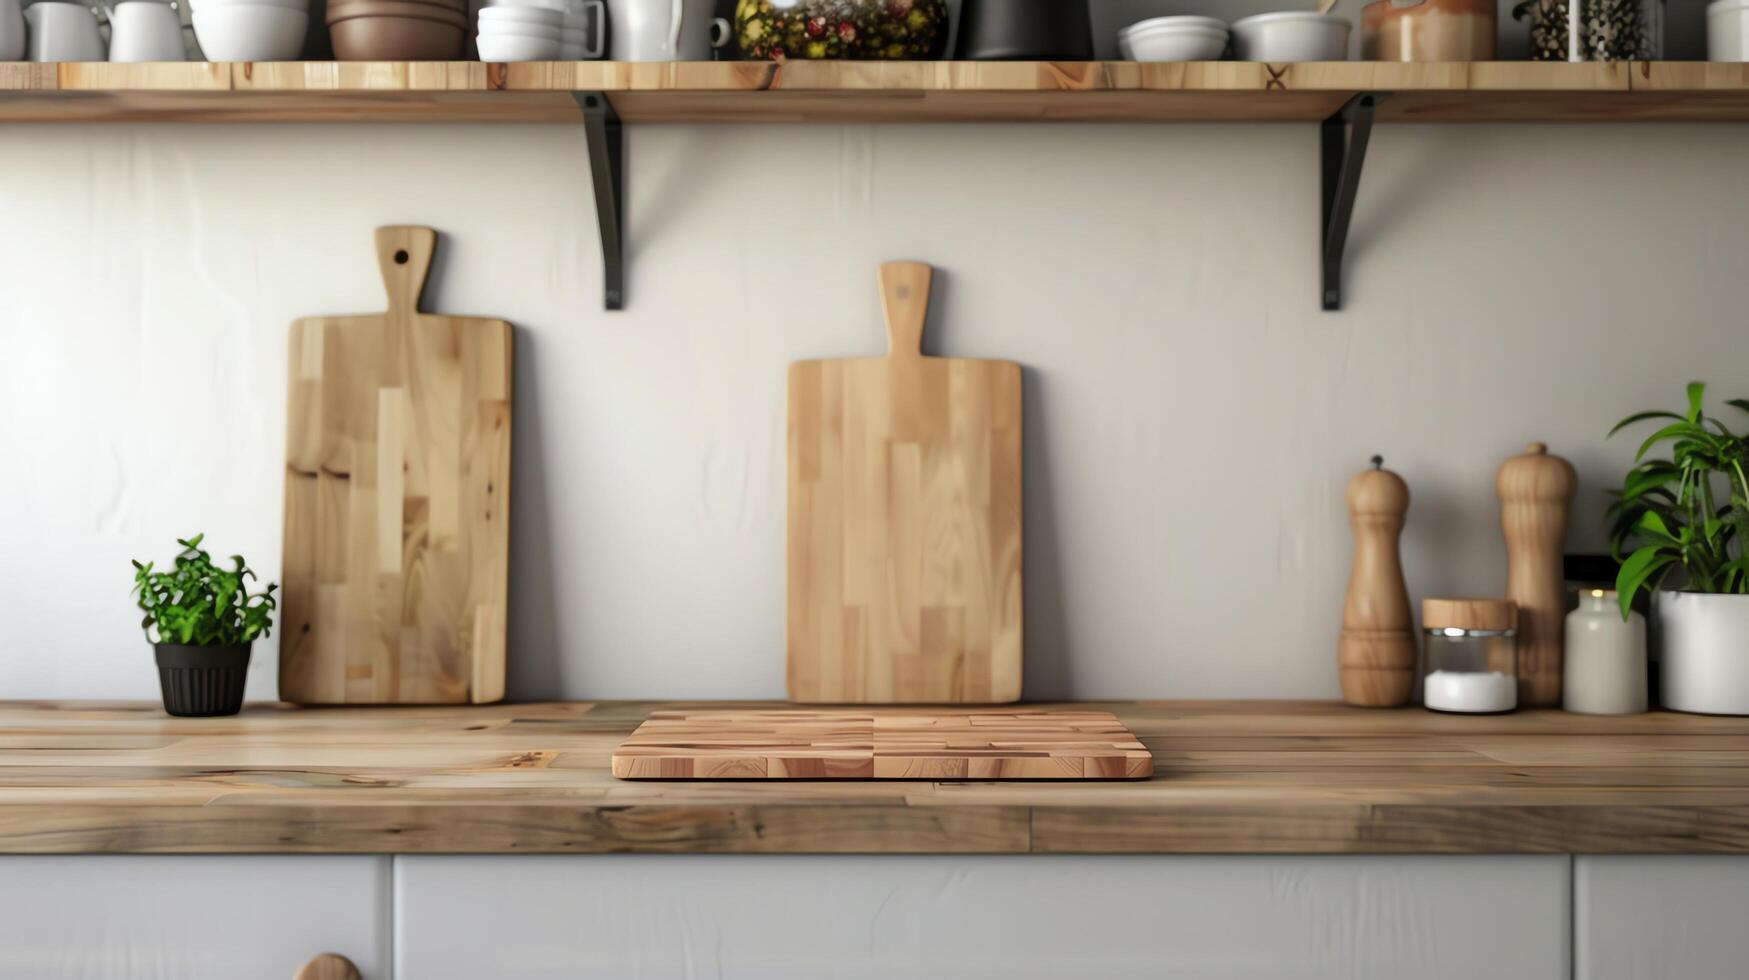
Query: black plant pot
{"points": [[202, 682]]}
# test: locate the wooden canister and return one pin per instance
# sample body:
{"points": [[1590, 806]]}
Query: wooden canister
{"points": [[1535, 490], [1375, 654], [1427, 30]]}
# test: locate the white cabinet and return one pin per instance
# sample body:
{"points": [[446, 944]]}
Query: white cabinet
{"points": [[192, 917], [1029, 916], [1661, 917]]}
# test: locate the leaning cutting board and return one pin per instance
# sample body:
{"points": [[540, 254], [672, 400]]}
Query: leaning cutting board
{"points": [[397, 492], [904, 520]]}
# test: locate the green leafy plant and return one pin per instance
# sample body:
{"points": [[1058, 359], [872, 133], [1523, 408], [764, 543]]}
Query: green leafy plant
{"points": [[1690, 511], [198, 603]]}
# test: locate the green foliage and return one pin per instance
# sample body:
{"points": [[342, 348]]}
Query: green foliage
{"points": [[1690, 511], [196, 602]]}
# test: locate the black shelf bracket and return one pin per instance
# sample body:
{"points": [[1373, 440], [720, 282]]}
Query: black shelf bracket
{"points": [[607, 169], [1343, 137]]}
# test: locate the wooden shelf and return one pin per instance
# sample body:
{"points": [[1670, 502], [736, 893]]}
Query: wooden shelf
{"points": [[869, 91], [1229, 777]]}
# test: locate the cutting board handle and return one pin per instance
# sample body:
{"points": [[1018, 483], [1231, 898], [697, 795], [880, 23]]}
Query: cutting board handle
{"points": [[404, 253], [905, 300]]}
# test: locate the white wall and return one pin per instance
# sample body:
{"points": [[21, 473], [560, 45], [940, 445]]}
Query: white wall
{"points": [[1192, 416]]}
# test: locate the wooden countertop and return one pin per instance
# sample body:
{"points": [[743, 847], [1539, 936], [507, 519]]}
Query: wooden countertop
{"points": [[1231, 777]]}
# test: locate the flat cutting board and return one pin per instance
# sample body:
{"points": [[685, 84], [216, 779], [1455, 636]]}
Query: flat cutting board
{"points": [[397, 491], [882, 743], [904, 520]]}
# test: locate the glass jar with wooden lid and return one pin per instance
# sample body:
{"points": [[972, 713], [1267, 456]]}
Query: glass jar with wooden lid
{"points": [[1469, 659]]}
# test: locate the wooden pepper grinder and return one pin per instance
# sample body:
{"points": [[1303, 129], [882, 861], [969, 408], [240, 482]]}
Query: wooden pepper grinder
{"points": [[1375, 654], [1535, 490]]}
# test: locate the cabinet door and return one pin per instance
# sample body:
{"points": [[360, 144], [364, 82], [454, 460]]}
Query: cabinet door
{"points": [[579, 917], [1661, 917], [180, 917]]}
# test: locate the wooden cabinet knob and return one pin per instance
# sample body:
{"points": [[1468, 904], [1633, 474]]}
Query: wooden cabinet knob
{"points": [[328, 966]]}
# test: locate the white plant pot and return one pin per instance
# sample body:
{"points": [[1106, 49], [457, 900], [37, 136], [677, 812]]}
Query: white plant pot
{"points": [[1705, 652]]}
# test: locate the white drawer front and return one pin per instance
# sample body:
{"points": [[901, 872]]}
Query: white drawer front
{"points": [[770, 917], [1661, 917], [193, 917]]}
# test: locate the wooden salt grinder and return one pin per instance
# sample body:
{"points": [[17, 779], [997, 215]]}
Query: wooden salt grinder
{"points": [[1375, 654], [1535, 490]]}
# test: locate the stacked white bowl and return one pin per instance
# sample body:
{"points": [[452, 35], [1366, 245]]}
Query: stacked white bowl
{"points": [[251, 30], [1292, 35], [1181, 38], [541, 30]]}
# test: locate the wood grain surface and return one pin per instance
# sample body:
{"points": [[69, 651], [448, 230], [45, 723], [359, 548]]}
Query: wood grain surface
{"points": [[1230, 777], [882, 743], [904, 520], [868, 92], [397, 489]]}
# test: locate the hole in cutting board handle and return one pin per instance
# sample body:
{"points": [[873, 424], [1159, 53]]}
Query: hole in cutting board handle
{"points": [[400, 256]]}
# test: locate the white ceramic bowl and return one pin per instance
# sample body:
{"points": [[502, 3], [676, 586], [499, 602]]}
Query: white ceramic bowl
{"points": [[538, 31], [1727, 30], [250, 32], [1294, 35], [540, 16], [1174, 44], [1178, 21], [500, 48], [288, 4]]}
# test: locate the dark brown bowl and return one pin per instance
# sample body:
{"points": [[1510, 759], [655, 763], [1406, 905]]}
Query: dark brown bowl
{"points": [[457, 6], [396, 39], [347, 9]]}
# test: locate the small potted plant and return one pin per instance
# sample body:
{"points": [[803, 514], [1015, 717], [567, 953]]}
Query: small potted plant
{"points": [[1685, 521], [201, 619]]}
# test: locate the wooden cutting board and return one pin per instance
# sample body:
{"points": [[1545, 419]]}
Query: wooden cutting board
{"points": [[904, 520], [882, 743], [397, 492]]}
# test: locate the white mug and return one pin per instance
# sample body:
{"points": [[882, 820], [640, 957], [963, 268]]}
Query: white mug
{"points": [[11, 31], [583, 42], [144, 30], [64, 32], [665, 30]]}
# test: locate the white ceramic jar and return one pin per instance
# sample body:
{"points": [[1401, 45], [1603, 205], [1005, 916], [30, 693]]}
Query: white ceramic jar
{"points": [[1605, 668], [1727, 30]]}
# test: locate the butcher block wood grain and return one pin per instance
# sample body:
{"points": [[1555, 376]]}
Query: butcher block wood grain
{"points": [[397, 489], [882, 743], [1231, 777], [904, 520], [868, 92]]}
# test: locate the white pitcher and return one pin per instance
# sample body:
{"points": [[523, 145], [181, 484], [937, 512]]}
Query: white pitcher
{"points": [[145, 30], [665, 30], [11, 31], [64, 32]]}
